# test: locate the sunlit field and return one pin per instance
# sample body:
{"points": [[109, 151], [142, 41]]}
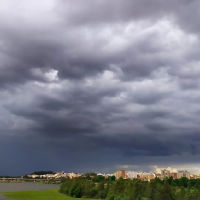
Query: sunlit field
{"points": [[39, 195]]}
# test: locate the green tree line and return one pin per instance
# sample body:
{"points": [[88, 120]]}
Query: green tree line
{"points": [[42, 172], [127, 189]]}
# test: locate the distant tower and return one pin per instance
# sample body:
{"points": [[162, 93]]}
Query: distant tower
{"points": [[165, 173]]}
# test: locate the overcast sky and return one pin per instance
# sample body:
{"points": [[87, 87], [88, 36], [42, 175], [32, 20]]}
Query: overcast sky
{"points": [[99, 85]]}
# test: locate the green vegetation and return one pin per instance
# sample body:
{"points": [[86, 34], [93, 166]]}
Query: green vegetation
{"points": [[93, 176], [52, 194], [42, 172], [121, 189]]}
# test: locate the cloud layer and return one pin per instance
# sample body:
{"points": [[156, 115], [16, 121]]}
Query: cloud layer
{"points": [[98, 85]]}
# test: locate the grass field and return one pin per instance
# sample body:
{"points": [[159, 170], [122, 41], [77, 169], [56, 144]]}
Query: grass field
{"points": [[39, 195]]}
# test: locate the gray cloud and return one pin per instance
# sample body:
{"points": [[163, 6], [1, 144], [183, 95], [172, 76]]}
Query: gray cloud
{"points": [[98, 85]]}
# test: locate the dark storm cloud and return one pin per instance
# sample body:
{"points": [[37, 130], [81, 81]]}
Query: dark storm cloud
{"points": [[77, 119], [95, 85], [184, 11], [77, 51], [110, 12]]}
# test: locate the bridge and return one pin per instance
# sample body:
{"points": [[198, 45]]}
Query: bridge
{"points": [[27, 180]]}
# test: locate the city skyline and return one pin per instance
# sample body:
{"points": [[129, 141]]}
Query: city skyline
{"points": [[99, 85]]}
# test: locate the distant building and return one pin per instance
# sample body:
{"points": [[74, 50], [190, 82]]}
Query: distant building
{"points": [[147, 176], [49, 175], [185, 173], [120, 173], [197, 176], [157, 175], [165, 173], [173, 175], [74, 175], [138, 176], [144, 179], [192, 176], [33, 176], [131, 174], [59, 173], [109, 174]]}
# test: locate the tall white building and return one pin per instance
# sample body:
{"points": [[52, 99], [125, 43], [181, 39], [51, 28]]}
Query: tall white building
{"points": [[131, 174]]}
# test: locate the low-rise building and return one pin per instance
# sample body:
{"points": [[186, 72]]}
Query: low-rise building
{"points": [[33, 176], [197, 176], [157, 175], [144, 179], [49, 175], [147, 176], [173, 175], [74, 175], [192, 176], [131, 174]]}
